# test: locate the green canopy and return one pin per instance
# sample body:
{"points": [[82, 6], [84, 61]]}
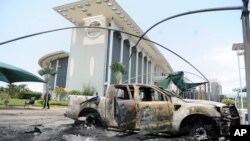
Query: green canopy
{"points": [[11, 74], [178, 79]]}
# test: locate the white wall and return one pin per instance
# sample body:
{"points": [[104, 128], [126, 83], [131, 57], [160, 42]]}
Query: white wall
{"points": [[87, 59]]}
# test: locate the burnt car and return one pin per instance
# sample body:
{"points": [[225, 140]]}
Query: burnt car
{"points": [[151, 110]]}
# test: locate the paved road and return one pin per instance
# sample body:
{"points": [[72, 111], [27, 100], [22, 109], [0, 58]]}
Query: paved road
{"points": [[36, 124]]}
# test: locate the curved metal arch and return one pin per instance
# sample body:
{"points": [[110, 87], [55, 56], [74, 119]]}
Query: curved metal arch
{"points": [[66, 28], [189, 13]]}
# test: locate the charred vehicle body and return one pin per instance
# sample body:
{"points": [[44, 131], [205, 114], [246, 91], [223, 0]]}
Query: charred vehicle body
{"points": [[150, 109]]}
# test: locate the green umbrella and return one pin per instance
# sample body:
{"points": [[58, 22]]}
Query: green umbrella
{"points": [[178, 79], [12, 74]]}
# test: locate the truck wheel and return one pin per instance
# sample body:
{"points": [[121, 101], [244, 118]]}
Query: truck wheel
{"points": [[203, 130], [93, 120], [199, 133]]}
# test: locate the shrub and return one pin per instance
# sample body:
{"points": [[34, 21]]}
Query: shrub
{"points": [[60, 103], [39, 102], [75, 92], [29, 94], [228, 101], [4, 96], [88, 90], [60, 91]]}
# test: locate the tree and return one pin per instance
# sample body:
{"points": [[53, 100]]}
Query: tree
{"points": [[12, 90], [59, 91], [119, 69], [237, 90], [238, 99], [22, 88], [47, 73]]}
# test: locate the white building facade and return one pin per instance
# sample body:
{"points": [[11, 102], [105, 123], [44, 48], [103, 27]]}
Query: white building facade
{"points": [[94, 50]]}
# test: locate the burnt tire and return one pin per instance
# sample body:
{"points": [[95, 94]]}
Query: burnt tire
{"points": [[93, 120], [203, 129]]}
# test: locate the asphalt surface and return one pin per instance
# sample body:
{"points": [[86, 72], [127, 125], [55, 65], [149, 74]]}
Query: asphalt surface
{"points": [[36, 124]]}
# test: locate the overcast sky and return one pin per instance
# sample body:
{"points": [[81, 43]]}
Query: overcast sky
{"points": [[203, 39]]}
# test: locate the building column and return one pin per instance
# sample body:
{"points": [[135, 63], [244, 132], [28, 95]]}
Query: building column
{"points": [[129, 70], [146, 71], [149, 73], [57, 64], [110, 55], [142, 68], [152, 72], [136, 69], [121, 54]]}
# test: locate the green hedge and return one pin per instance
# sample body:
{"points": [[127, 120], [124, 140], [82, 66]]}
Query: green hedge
{"points": [[39, 102], [60, 103], [28, 95], [54, 102], [14, 102], [75, 92]]}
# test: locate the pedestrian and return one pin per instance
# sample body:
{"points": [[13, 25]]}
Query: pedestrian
{"points": [[46, 99]]}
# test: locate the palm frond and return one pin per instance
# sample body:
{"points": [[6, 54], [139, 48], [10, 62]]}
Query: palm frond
{"points": [[118, 67], [47, 71]]}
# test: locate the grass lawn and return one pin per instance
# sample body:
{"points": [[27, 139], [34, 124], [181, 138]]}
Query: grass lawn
{"points": [[20, 102]]}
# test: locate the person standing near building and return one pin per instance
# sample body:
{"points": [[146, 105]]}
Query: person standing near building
{"points": [[46, 99]]}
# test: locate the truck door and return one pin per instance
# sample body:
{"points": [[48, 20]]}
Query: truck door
{"points": [[125, 108], [155, 112]]}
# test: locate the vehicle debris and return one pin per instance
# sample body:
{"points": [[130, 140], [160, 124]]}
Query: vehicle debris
{"points": [[150, 110], [35, 131]]}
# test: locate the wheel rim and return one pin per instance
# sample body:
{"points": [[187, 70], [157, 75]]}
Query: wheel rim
{"points": [[200, 133], [90, 121]]}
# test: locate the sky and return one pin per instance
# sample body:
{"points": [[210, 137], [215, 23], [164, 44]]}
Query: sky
{"points": [[203, 39]]}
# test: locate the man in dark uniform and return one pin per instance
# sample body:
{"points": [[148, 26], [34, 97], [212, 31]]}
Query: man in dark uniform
{"points": [[46, 99]]}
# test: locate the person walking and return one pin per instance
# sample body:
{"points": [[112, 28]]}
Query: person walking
{"points": [[46, 99]]}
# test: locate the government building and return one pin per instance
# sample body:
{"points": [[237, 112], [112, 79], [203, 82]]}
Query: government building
{"points": [[93, 50]]}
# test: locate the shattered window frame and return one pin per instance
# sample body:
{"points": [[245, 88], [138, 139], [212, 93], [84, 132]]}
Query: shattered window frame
{"points": [[122, 92]]}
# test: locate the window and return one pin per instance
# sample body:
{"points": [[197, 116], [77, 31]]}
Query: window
{"points": [[150, 94], [157, 96], [122, 93], [145, 94]]}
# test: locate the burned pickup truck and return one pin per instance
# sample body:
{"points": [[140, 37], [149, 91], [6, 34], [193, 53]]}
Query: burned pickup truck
{"points": [[151, 110]]}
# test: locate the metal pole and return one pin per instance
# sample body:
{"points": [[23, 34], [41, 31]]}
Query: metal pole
{"points": [[238, 55], [246, 41]]}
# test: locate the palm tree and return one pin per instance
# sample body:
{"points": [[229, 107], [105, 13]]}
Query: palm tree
{"points": [[22, 88], [12, 90], [118, 69], [48, 73]]}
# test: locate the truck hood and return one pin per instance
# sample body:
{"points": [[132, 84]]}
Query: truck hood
{"points": [[218, 104]]}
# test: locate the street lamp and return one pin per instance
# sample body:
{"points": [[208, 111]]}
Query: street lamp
{"points": [[239, 48]]}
